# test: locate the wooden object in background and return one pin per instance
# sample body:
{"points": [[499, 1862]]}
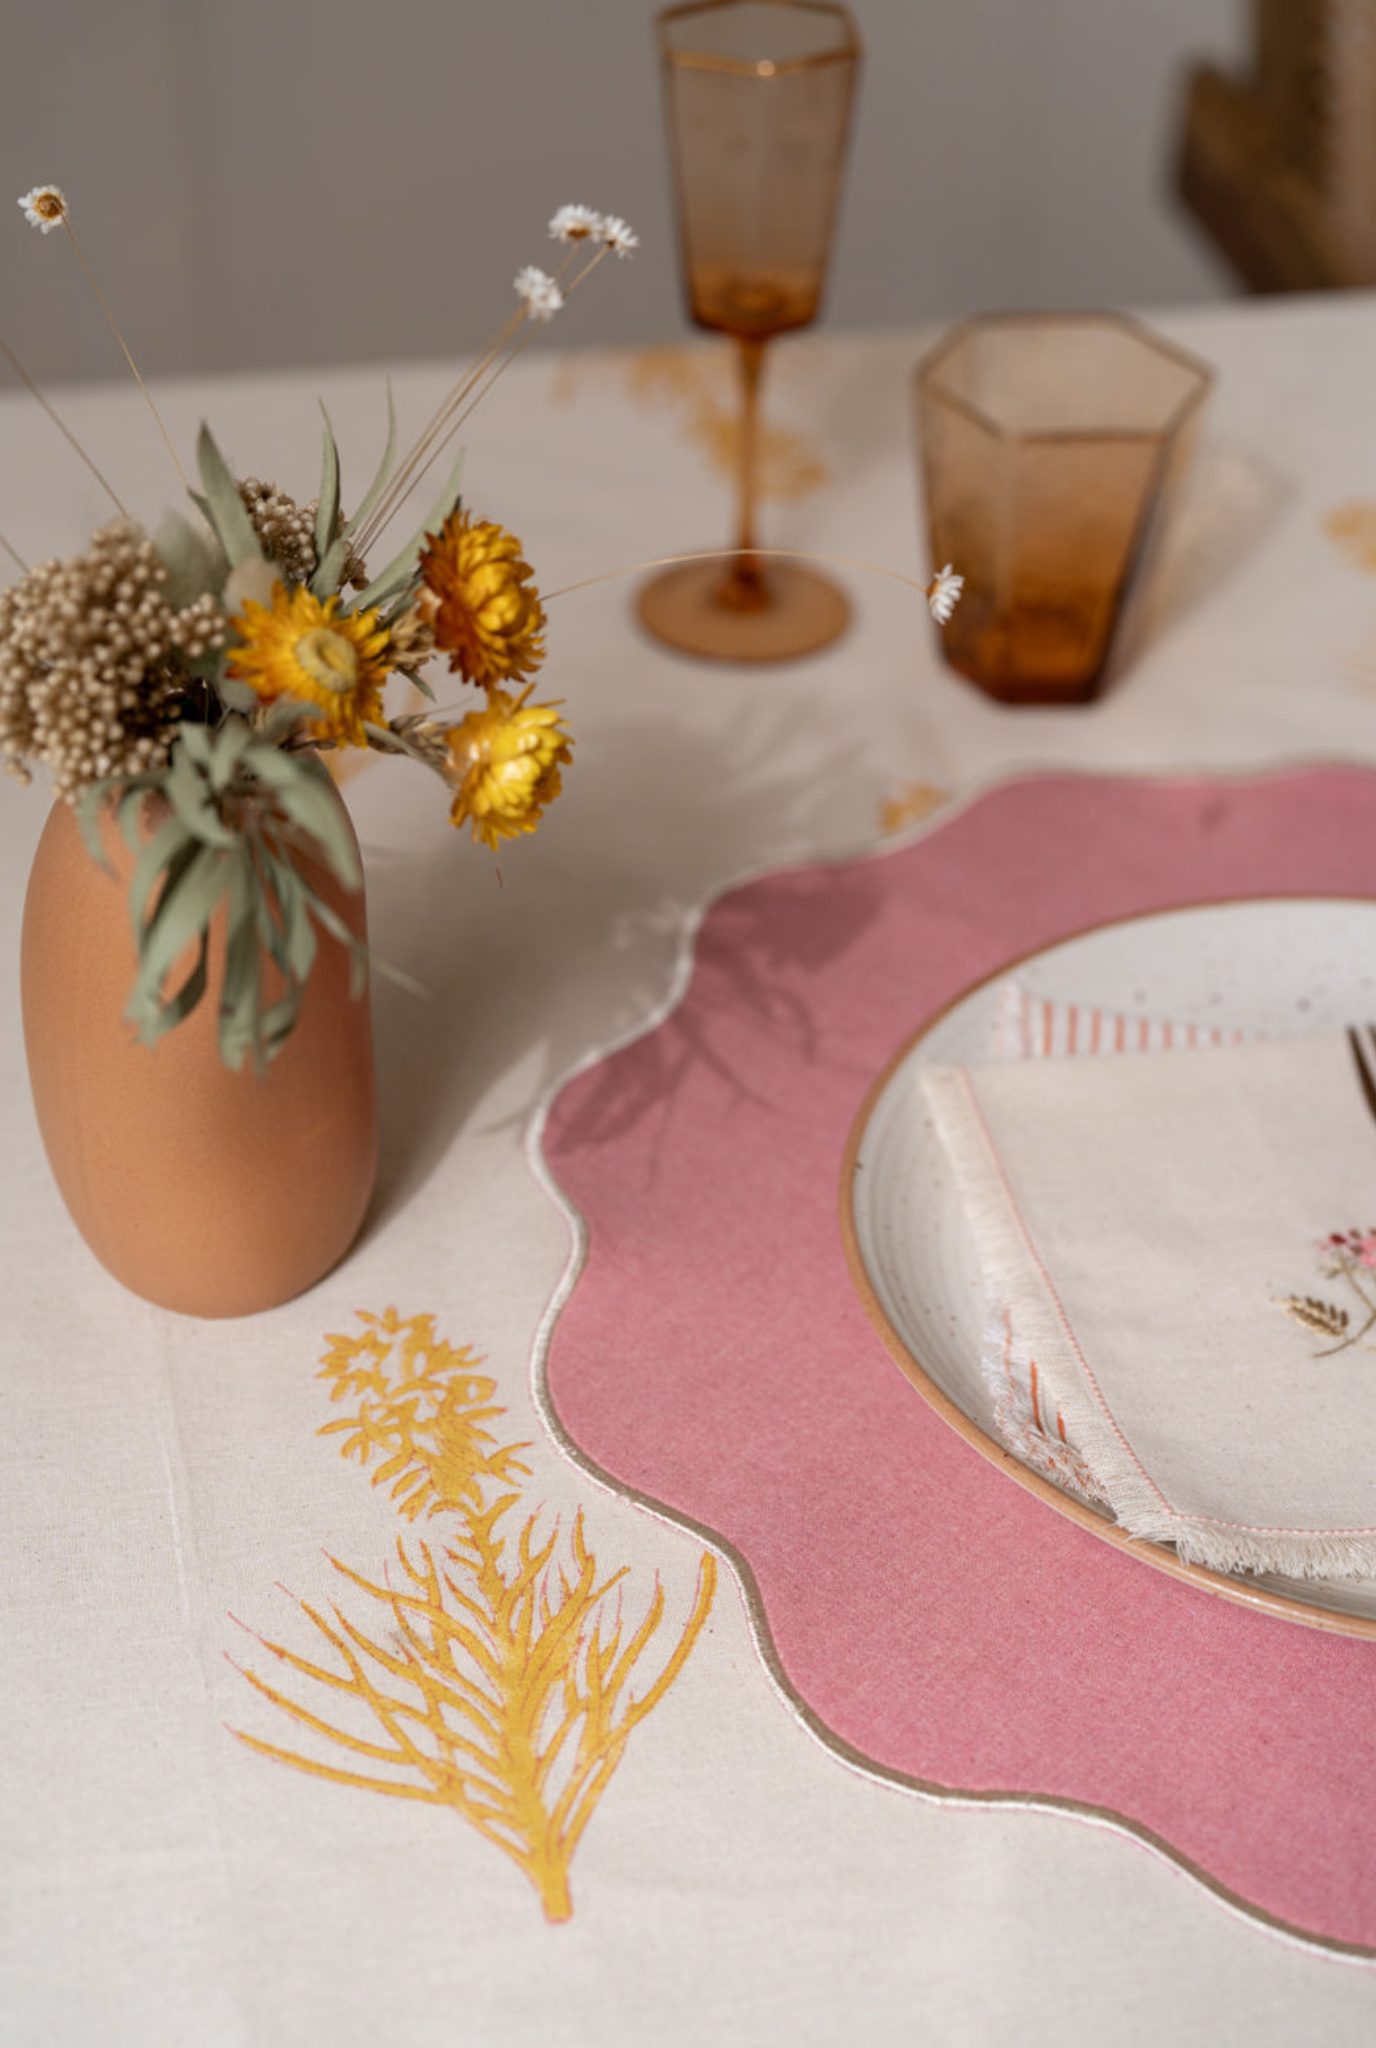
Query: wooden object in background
{"points": [[1256, 163]]}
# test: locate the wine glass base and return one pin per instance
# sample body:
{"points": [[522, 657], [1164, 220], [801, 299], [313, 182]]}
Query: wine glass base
{"points": [[683, 608]]}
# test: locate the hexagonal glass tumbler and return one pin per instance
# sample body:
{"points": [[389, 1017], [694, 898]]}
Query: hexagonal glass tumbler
{"points": [[1049, 446]]}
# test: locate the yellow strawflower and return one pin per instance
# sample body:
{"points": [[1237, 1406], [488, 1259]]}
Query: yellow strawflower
{"points": [[312, 651], [488, 617], [504, 762]]}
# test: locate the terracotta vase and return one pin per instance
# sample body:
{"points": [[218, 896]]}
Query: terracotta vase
{"points": [[209, 1192]]}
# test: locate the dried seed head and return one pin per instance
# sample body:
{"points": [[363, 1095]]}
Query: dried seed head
{"points": [[92, 662]]}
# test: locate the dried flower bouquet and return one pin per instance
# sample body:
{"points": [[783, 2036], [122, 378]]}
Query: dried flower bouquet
{"points": [[190, 683]]}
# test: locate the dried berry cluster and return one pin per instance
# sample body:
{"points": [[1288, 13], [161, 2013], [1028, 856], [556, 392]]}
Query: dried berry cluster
{"points": [[286, 529], [287, 533], [95, 665]]}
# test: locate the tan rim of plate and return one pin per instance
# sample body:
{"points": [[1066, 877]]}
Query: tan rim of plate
{"points": [[1159, 1555]]}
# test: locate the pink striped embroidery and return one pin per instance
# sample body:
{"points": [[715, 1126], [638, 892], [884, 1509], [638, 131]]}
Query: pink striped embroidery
{"points": [[1036, 1028], [1018, 1418]]}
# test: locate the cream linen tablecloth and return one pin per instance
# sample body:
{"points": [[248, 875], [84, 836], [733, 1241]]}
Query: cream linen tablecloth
{"points": [[164, 1486]]}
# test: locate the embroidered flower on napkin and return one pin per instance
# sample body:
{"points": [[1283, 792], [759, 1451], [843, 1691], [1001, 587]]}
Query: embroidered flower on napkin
{"points": [[1138, 1221], [1347, 1257]]}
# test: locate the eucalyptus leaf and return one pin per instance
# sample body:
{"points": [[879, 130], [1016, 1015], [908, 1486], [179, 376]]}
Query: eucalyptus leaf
{"points": [[261, 1031], [184, 909], [190, 798], [194, 560], [398, 580], [327, 507], [130, 813], [296, 933], [169, 844], [329, 919], [287, 712], [167, 1012], [384, 470], [224, 508], [90, 807], [198, 741], [275, 1024], [331, 564], [361, 955], [232, 742], [302, 944], [182, 918], [304, 791], [237, 696], [325, 582], [264, 923], [240, 993]]}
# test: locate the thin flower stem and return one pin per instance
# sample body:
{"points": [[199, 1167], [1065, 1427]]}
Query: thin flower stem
{"points": [[460, 401], [488, 354], [27, 381], [14, 555], [1345, 1267], [404, 482], [726, 554], [436, 443], [1354, 1336], [406, 478], [473, 402], [586, 271], [157, 416]]}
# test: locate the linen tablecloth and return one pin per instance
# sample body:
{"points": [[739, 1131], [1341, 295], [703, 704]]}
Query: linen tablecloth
{"points": [[171, 1503]]}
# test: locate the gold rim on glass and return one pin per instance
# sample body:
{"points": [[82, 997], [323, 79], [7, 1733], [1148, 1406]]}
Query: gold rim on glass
{"points": [[760, 67]]}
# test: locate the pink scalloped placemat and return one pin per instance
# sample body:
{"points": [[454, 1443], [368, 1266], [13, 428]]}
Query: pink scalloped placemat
{"points": [[713, 1358]]}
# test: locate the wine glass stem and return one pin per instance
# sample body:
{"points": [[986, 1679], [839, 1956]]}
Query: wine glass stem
{"points": [[744, 589]]}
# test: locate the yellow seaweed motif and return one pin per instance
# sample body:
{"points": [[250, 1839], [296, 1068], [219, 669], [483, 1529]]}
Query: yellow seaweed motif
{"points": [[701, 385], [1353, 527], [916, 802], [497, 1684]]}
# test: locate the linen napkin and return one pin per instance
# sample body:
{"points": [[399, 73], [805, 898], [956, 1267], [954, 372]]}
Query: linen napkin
{"points": [[1181, 1286]]}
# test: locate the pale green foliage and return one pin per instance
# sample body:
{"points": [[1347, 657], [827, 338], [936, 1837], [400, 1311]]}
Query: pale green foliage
{"points": [[244, 819], [243, 813], [194, 560]]}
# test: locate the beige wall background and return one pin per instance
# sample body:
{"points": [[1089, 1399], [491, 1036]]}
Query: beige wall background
{"points": [[270, 182]]}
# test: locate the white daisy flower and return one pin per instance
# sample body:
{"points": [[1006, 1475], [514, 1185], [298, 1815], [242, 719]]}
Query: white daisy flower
{"points": [[618, 234], [576, 224], [943, 594], [542, 295], [45, 208]]}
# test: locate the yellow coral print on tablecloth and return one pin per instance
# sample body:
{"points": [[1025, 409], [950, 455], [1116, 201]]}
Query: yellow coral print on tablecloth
{"points": [[1353, 527], [918, 801], [497, 1672], [699, 385]]}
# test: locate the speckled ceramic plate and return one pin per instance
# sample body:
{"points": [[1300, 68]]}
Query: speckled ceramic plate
{"points": [[1272, 966]]}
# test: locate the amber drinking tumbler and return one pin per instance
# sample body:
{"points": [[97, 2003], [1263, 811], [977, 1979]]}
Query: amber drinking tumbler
{"points": [[1049, 447], [757, 102]]}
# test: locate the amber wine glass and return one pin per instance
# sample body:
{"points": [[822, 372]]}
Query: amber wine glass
{"points": [[757, 99]]}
